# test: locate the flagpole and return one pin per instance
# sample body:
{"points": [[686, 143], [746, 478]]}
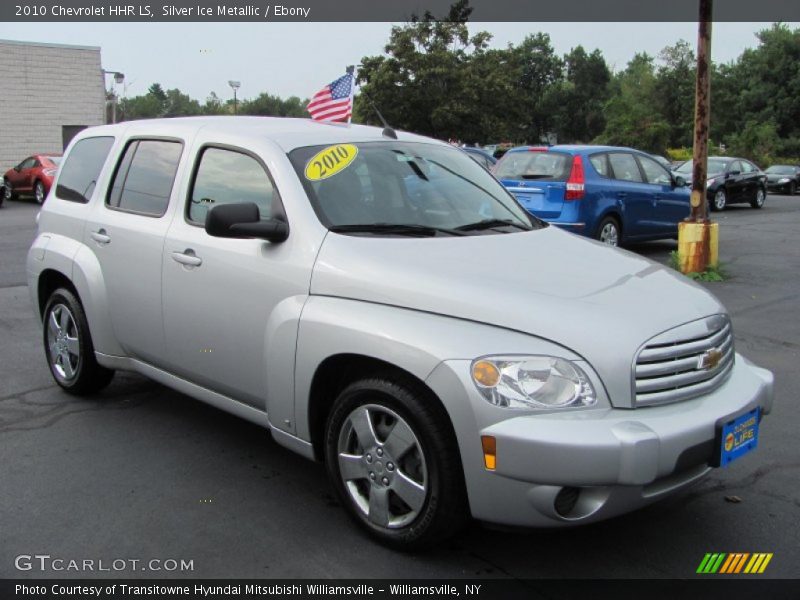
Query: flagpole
{"points": [[352, 71]]}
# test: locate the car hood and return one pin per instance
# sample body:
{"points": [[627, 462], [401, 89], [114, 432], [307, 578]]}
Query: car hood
{"points": [[778, 176], [600, 302]]}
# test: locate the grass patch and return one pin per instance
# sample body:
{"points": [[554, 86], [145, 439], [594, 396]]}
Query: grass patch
{"points": [[711, 274]]}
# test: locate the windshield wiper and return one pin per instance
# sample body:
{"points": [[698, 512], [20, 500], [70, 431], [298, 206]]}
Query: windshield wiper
{"points": [[535, 176], [491, 223], [395, 228]]}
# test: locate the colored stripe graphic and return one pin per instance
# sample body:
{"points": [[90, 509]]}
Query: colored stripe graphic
{"points": [[711, 562], [734, 563]]}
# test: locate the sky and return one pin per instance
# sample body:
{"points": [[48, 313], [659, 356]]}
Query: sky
{"points": [[297, 59]]}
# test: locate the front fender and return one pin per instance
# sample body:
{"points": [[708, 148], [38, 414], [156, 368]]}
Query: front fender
{"points": [[414, 341]]}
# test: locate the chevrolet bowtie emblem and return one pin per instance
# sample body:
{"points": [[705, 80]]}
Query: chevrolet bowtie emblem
{"points": [[709, 360]]}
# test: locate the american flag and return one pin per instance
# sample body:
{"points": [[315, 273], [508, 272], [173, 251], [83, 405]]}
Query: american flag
{"points": [[334, 102]]}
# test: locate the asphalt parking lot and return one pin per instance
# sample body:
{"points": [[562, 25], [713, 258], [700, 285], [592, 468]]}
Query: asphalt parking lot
{"points": [[144, 472]]}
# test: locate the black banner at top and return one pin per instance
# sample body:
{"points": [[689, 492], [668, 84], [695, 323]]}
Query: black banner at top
{"points": [[390, 10]]}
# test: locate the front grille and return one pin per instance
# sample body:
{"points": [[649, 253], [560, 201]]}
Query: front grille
{"points": [[684, 362]]}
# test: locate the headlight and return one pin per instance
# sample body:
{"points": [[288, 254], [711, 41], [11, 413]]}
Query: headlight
{"points": [[783, 180], [532, 382], [711, 181]]}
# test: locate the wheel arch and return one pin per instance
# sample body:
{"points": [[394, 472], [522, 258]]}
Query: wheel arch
{"points": [[340, 370]]}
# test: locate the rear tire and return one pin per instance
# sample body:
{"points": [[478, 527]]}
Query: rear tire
{"points": [[758, 201], [404, 486], [68, 346], [609, 232]]}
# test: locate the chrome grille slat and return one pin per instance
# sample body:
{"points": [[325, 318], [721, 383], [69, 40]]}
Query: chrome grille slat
{"points": [[669, 367], [673, 367], [693, 347]]}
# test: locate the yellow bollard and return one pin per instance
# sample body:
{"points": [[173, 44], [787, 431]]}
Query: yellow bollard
{"points": [[698, 246]]}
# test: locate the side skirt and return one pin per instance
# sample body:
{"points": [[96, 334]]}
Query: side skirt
{"points": [[216, 400]]}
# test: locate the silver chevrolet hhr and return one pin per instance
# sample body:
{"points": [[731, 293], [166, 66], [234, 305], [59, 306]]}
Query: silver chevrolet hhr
{"points": [[379, 302]]}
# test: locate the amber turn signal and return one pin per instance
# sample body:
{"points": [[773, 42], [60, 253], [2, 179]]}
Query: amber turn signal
{"points": [[489, 445]]}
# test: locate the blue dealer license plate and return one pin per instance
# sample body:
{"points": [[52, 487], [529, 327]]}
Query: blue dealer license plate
{"points": [[738, 437]]}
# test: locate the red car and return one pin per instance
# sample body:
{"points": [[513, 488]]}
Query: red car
{"points": [[34, 175]]}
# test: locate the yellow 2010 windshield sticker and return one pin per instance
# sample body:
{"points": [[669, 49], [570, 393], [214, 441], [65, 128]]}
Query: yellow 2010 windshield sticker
{"points": [[330, 161]]}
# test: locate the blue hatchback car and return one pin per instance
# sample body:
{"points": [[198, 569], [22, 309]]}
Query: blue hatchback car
{"points": [[612, 194]]}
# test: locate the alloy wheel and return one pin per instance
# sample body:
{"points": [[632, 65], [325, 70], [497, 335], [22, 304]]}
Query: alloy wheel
{"points": [[760, 198], [382, 466], [7, 191], [63, 343], [720, 200], [609, 234], [39, 192]]}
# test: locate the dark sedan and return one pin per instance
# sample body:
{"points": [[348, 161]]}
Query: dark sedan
{"points": [[730, 181], [783, 179]]}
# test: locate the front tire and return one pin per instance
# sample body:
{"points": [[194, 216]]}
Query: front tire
{"points": [[68, 346], [720, 200], [758, 201], [792, 188], [393, 460], [39, 193]]}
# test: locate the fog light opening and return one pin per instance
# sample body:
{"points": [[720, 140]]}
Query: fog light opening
{"points": [[565, 501]]}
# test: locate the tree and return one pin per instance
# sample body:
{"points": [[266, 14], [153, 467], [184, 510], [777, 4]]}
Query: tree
{"points": [[426, 82], [632, 115], [582, 96], [268, 105], [674, 92]]}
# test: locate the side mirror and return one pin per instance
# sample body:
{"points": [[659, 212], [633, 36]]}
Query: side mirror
{"points": [[242, 221], [18, 168], [678, 181]]}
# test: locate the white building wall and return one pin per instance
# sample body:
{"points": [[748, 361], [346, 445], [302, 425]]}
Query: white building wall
{"points": [[42, 88]]}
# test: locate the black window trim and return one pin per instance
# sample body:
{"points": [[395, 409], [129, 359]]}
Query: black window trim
{"points": [[85, 200], [121, 157], [239, 150]]}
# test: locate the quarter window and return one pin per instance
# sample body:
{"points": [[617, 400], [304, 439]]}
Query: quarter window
{"points": [[230, 177], [600, 164], [82, 167], [624, 167], [143, 180]]}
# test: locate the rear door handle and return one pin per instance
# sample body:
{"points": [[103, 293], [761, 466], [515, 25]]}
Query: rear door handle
{"points": [[188, 258], [101, 237]]}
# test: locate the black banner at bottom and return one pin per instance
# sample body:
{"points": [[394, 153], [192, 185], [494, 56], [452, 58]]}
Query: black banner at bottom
{"points": [[376, 589]]}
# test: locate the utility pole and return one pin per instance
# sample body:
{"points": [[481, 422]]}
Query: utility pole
{"points": [[698, 239]]}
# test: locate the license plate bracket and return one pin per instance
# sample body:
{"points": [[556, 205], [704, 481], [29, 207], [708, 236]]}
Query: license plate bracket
{"points": [[736, 437]]}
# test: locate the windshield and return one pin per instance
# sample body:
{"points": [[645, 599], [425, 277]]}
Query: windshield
{"points": [[781, 169], [549, 166], [405, 188], [715, 165]]}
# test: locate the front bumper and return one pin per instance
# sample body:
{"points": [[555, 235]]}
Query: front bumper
{"points": [[610, 460]]}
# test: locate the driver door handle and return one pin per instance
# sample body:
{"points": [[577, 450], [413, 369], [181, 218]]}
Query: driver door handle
{"points": [[101, 237], [188, 258]]}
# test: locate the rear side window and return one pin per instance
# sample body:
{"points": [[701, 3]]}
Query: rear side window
{"points": [[144, 177], [550, 166], [229, 177], [82, 167], [624, 167]]}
